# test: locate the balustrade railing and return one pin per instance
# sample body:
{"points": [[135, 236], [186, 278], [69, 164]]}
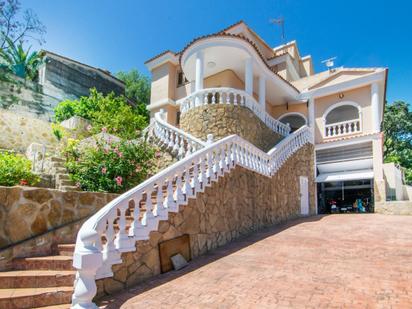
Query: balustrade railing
{"points": [[343, 128], [235, 97], [107, 234], [178, 142]]}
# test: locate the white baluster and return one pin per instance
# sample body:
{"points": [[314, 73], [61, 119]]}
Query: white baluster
{"points": [[149, 219], [122, 242], [170, 204]]}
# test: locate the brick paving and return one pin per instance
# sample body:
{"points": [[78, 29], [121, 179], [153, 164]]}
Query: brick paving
{"points": [[336, 261]]}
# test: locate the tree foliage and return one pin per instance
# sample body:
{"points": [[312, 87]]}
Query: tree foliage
{"points": [[111, 113], [19, 25], [137, 89], [21, 62], [15, 169], [397, 127]]}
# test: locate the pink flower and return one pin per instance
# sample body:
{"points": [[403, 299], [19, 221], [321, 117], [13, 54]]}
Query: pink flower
{"points": [[138, 168], [89, 128], [119, 180], [23, 182], [120, 154], [104, 170], [78, 184], [158, 154], [104, 129]]}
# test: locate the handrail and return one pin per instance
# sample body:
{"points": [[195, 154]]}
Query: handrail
{"points": [[98, 247], [237, 97]]}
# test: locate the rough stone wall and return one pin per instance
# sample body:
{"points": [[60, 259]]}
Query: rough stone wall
{"points": [[19, 131], [394, 208], [27, 212], [26, 98], [223, 120], [238, 204]]}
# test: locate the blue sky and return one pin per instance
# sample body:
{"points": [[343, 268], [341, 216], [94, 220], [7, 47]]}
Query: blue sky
{"points": [[123, 34]]}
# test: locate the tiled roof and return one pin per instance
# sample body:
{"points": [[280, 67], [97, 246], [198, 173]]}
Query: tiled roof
{"points": [[160, 55], [222, 34]]}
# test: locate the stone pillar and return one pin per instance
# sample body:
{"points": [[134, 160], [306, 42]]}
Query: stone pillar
{"points": [[249, 75], [376, 126], [379, 181], [199, 71], [262, 91]]}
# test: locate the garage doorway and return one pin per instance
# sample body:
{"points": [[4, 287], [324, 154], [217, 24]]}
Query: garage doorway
{"points": [[355, 196]]}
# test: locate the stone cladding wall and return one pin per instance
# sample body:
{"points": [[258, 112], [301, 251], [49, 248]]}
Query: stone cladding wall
{"points": [[223, 120], [240, 203], [27, 212]]}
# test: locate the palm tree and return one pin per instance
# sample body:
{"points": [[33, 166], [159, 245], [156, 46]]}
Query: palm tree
{"points": [[16, 60]]}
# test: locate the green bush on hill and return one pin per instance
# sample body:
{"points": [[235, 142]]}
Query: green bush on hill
{"points": [[15, 169]]}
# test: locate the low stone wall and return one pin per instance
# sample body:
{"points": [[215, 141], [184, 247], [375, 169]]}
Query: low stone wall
{"points": [[238, 204], [224, 120], [19, 131], [27, 212], [394, 208]]}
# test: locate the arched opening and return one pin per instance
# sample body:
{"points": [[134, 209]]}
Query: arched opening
{"points": [[295, 120], [342, 118], [342, 113]]}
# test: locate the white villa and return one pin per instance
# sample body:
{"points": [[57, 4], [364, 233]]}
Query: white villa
{"points": [[343, 107]]}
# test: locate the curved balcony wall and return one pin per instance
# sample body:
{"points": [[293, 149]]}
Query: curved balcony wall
{"points": [[223, 120]]}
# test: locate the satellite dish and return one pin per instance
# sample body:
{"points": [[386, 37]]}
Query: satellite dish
{"points": [[329, 63]]}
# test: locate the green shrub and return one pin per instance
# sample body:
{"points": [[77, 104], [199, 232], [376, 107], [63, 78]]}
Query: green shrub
{"points": [[109, 166], [110, 112], [16, 169]]}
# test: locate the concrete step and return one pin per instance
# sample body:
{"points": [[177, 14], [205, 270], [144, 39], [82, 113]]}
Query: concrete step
{"points": [[36, 278], [66, 249], [60, 170], [31, 297], [67, 182], [69, 188], [55, 262], [60, 177], [57, 159]]}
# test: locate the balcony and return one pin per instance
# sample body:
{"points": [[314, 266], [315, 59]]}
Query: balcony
{"points": [[343, 128], [237, 97]]}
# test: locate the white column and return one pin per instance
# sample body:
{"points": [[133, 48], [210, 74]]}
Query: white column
{"points": [[199, 71], [311, 116], [249, 75], [375, 107], [262, 91]]}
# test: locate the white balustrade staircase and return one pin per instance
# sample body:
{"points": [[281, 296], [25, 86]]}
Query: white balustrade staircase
{"points": [[47, 281]]}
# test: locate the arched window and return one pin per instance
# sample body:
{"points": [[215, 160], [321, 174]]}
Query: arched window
{"points": [[342, 118], [295, 120]]}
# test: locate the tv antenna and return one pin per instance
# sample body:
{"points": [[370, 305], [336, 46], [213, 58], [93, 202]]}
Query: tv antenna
{"points": [[281, 22], [329, 63]]}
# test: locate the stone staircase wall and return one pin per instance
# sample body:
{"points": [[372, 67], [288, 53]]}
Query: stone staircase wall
{"points": [[394, 208], [26, 212], [238, 204], [223, 120]]}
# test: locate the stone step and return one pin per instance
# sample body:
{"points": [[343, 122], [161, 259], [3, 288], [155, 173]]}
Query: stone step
{"points": [[60, 170], [64, 306], [67, 183], [69, 188], [60, 177], [57, 159], [36, 278], [56, 262], [66, 249], [31, 297]]}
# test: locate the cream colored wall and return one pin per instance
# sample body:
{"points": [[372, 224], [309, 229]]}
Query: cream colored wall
{"points": [[226, 78], [340, 78], [279, 110], [361, 96], [171, 111], [160, 83]]}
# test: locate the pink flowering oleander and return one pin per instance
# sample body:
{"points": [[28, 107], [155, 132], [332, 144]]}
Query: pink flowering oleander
{"points": [[119, 180], [104, 170]]}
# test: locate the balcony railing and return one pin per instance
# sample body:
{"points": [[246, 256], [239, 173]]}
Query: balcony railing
{"points": [[343, 128], [234, 97]]}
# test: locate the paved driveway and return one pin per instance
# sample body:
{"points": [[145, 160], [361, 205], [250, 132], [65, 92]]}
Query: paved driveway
{"points": [[337, 261]]}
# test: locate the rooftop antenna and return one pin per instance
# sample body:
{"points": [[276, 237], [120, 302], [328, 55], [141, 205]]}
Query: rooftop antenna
{"points": [[281, 22], [329, 63]]}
